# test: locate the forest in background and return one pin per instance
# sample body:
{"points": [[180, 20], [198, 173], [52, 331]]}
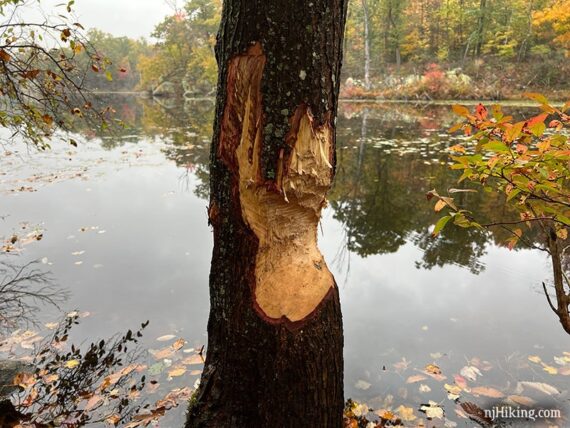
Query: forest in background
{"points": [[412, 49]]}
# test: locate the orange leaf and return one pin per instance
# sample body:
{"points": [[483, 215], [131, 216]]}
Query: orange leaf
{"points": [[487, 392]]}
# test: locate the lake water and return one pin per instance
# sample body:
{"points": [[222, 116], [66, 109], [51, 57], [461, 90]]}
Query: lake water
{"points": [[124, 231]]}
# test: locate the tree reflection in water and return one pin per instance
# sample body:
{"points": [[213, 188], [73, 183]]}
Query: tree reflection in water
{"points": [[23, 289]]}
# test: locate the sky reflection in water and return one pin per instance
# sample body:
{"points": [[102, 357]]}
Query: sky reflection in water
{"points": [[147, 249]]}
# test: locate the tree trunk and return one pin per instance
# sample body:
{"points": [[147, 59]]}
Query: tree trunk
{"points": [[274, 356], [366, 45], [562, 298], [480, 27]]}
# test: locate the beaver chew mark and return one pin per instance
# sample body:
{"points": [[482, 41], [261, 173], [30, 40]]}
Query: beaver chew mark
{"points": [[291, 276]]}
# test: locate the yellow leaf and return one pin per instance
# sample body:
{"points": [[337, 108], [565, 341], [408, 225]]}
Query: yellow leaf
{"points": [[406, 413], [535, 359], [433, 369], [439, 206], [549, 369], [71, 364]]}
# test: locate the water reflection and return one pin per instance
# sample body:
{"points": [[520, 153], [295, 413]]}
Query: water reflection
{"points": [[406, 296], [24, 290]]}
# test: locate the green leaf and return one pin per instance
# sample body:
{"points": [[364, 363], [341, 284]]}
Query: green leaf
{"points": [[496, 146], [513, 193], [109, 76], [539, 98], [440, 225]]}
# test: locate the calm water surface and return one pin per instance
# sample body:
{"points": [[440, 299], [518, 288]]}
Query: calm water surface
{"points": [[125, 232]]}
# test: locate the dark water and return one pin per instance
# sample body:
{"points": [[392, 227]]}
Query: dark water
{"points": [[124, 231]]}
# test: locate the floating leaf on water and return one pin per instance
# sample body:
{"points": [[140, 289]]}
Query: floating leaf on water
{"points": [[424, 388], [562, 361], [453, 391], [179, 344], [406, 413], [416, 378], [460, 381], [470, 372], [522, 400], [432, 410], [402, 365], [165, 338], [177, 371], [535, 359], [193, 359], [537, 386], [433, 369], [487, 392], [549, 369]]}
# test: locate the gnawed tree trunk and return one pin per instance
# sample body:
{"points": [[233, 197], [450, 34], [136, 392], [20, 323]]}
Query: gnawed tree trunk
{"points": [[274, 355]]}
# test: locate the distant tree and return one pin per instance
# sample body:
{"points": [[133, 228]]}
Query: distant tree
{"points": [[41, 83], [184, 54], [554, 22]]}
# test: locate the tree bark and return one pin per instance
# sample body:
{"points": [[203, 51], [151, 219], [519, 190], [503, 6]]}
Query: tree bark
{"points": [[274, 356], [480, 27], [562, 297], [366, 45]]}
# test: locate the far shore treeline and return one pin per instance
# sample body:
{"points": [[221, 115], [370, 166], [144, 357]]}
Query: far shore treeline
{"points": [[411, 49]]}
